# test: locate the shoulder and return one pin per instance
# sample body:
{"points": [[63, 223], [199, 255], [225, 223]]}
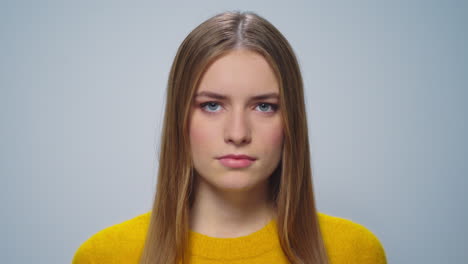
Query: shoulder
{"points": [[123, 242], [350, 242]]}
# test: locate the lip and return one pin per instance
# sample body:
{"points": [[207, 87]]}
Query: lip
{"points": [[237, 156], [236, 161]]}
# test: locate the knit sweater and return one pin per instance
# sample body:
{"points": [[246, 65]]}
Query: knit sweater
{"points": [[345, 241]]}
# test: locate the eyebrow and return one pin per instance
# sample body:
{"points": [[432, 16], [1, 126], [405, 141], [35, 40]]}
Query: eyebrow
{"points": [[224, 97]]}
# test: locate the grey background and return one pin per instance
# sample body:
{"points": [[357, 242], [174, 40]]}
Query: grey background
{"points": [[82, 99]]}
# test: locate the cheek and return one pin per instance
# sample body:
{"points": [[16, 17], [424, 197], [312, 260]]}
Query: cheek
{"points": [[275, 136], [201, 133], [278, 137], [270, 141]]}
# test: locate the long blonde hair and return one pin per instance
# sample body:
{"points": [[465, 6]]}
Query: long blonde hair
{"points": [[291, 187]]}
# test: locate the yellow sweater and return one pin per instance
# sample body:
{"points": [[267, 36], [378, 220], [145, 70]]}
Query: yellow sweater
{"points": [[345, 241]]}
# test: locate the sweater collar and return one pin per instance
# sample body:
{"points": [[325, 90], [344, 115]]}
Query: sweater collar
{"points": [[254, 244]]}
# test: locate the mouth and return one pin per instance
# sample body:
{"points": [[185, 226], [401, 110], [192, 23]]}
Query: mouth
{"points": [[236, 161], [237, 156]]}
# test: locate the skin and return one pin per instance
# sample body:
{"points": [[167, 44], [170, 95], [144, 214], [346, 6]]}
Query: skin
{"points": [[233, 202]]}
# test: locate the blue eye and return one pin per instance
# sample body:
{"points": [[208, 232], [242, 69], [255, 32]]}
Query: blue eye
{"points": [[209, 104], [272, 106]]}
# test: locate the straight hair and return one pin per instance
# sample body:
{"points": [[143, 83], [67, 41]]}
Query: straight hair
{"points": [[290, 185]]}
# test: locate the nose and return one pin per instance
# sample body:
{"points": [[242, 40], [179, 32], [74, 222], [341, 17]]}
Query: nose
{"points": [[237, 128]]}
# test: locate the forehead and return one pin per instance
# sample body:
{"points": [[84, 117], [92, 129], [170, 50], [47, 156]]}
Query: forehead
{"points": [[239, 73]]}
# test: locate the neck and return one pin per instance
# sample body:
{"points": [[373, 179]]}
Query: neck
{"points": [[230, 213]]}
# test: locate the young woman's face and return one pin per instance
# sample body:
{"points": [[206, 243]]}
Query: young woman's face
{"points": [[238, 124]]}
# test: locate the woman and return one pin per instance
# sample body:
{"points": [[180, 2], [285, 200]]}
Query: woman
{"points": [[234, 181]]}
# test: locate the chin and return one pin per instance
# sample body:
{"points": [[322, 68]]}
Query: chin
{"points": [[236, 181]]}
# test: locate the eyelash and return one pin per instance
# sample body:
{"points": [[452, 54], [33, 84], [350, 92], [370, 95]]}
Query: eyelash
{"points": [[274, 107]]}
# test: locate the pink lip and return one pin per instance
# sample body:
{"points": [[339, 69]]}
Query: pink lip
{"points": [[234, 156], [236, 161]]}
